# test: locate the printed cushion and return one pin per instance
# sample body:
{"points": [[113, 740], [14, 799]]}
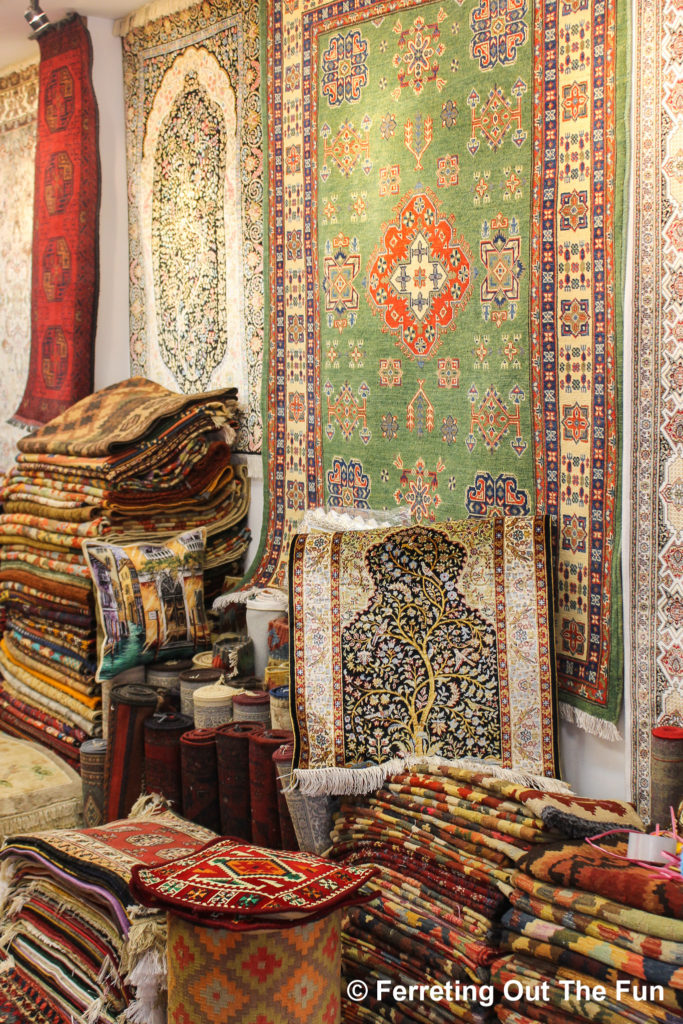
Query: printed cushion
{"points": [[150, 599], [237, 885], [430, 641]]}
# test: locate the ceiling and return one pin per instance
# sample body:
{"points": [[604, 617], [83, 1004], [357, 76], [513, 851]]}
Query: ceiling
{"points": [[15, 46]]}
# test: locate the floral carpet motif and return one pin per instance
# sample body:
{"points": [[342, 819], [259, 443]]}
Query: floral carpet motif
{"points": [[657, 460], [443, 291], [195, 175], [18, 114], [422, 642]]}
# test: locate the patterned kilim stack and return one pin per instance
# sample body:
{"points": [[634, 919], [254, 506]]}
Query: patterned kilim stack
{"points": [[70, 941], [581, 915], [131, 462], [447, 843]]}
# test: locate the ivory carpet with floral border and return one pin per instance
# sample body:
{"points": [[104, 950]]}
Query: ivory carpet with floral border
{"points": [[444, 267], [656, 567], [192, 75]]}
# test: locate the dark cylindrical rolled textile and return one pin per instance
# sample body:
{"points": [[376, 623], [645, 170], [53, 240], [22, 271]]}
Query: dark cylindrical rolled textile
{"points": [[199, 774], [130, 705], [252, 707], [282, 759], [92, 758], [232, 749], [193, 679], [265, 818], [162, 755], [666, 784]]}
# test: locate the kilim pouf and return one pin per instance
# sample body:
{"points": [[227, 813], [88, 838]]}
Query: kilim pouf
{"points": [[199, 775], [282, 760], [264, 977], [232, 749], [162, 755], [667, 773], [265, 817], [92, 757], [130, 705]]}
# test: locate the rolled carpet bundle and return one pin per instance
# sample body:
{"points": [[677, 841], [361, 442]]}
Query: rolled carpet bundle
{"points": [[280, 717], [252, 707], [193, 679], [199, 772], [667, 773], [265, 817], [282, 759], [130, 705], [232, 750], [93, 755], [162, 755]]}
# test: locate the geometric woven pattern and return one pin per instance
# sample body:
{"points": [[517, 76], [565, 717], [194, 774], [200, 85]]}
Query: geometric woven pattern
{"points": [[444, 233], [657, 451], [268, 977], [227, 879]]}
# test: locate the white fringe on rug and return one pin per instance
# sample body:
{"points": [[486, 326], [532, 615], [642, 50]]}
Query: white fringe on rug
{"points": [[356, 781], [589, 723]]}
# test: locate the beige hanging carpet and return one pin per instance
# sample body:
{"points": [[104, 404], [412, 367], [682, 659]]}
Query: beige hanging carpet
{"points": [[657, 453], [18, 118], [195, 185], [445, 223]]}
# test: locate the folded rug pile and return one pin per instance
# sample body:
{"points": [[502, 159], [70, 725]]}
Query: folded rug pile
{"points": [[588, 928], [131, 463], [75, 944], [448, 841]]}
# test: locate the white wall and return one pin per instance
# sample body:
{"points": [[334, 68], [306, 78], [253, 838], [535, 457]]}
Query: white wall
{"points": [[592, 766]]}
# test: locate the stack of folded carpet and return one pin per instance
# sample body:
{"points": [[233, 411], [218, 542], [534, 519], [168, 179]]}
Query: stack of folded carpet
{"points": [[583, 918], [447, 840], [75, 945], [132, 462]]}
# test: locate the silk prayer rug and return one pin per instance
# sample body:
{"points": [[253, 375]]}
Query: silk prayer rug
{"points": [[445, 226], [65, 277], [18, 117], [656, 568], [423, 642], [195, 186]]}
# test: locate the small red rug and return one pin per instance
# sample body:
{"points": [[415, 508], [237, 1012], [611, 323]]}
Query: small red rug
{"points": [[65, 228]]}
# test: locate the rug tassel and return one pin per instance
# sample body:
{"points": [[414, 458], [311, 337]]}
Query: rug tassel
{"points": [[590, 724], [148, 804], [367, 779]]}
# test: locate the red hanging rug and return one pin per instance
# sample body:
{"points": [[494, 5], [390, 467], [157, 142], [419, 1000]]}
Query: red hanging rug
{"points": [[65, 228]]}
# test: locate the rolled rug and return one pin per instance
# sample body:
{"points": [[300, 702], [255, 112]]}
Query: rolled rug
{"points": [[280, 717], [162, 755], [193, 679], [252, 707], [213, 705], [92, 759], [667, 773], [232, 749], [130, 706], [265, 817], [130, 675], [282, 759], [199, 773], [164, 677]]}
